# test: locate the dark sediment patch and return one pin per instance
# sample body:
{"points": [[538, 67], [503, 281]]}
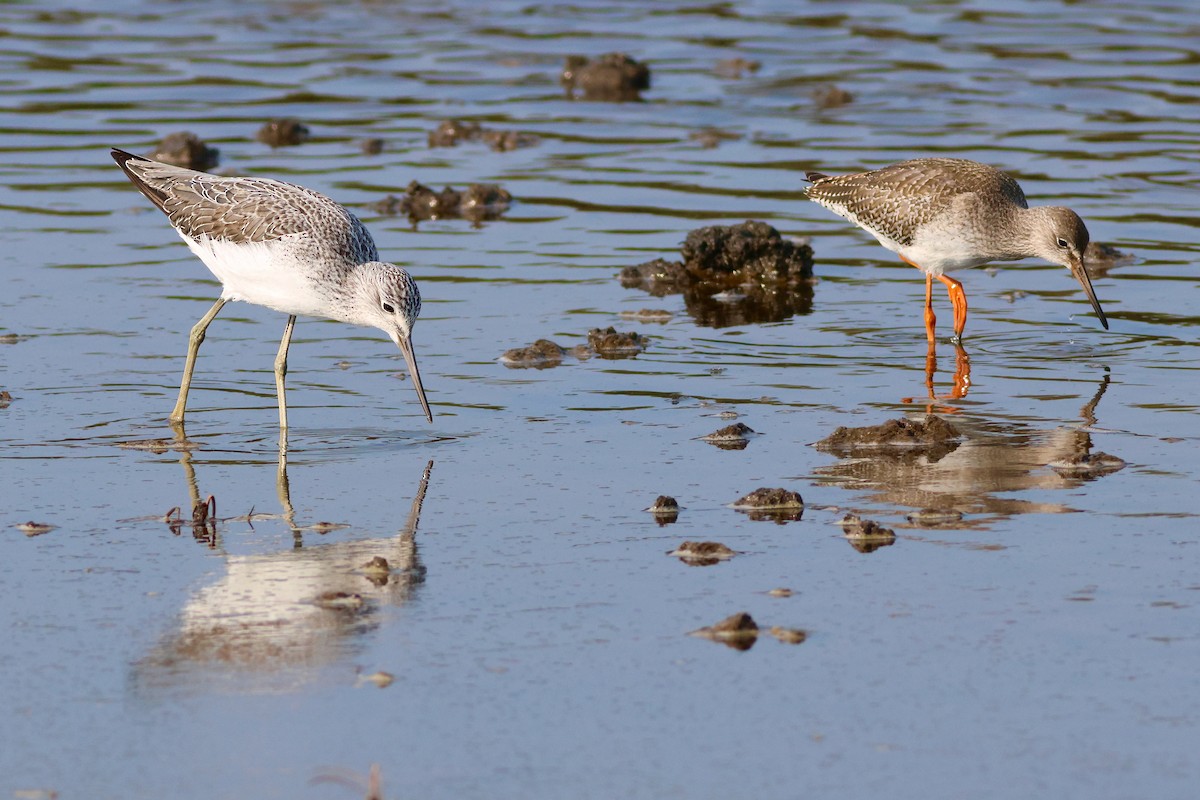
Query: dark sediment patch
{"points": [[1087, 465], [32, 528], [282, 132], [664, 504], [709, 138], [613, 77], [479, 202], [731, 437], [831, 97], [611, 343], [665, 510], [789, 635], [452, 132], [866, 535], [160, 446], [935, 517], [185, 149], [372, 146], [738, 631], [647, 315], [736, 68], [932, 436], [348, 602], [702, 554], [542, 354], [1100, 258], [771, 277], [606, 343], [776, 505]]}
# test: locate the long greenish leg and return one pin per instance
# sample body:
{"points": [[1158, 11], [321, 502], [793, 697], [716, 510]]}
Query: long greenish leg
{"points": [[189, 365], [281, 369]]}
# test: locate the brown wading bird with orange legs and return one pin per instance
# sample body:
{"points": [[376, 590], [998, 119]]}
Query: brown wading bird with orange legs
{"points": [[941, 214]]}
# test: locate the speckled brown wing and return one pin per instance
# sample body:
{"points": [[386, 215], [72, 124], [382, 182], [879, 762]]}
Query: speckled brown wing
{"points": [[894, 202], [244, 210]]}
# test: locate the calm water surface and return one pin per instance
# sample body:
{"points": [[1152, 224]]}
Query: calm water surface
{"points": [[1044, 646]]}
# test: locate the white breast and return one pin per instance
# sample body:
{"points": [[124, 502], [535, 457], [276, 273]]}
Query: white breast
{"points": [[264, 273]]}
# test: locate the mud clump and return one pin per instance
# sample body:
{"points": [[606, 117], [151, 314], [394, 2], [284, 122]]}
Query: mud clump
{"points": [[452, 132], [855, 527], [731, 437], [665, 510], [611, 343], [831, 97], [738, 631], [736, 68], [789, 635], [372, 146], [648, 315], [607, 343], [775, 505], [541, 354], [1087, 465], [770, 499], [349, 602], [935, 517], [709, 138], [865, 535], [613, 77], [752, 250], [186, 149], [702, 554], [479, 202], [1100, 258], [664, 504], [282, 132], [931, 432], [733, 275]]}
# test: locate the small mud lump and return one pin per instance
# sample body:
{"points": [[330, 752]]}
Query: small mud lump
{"points": [[480, 201], [903, 432], [541, 354], [771, 276], [770, 499], [702, 554], [186, 149], [452, 132], [283, 132], [611, 343], [738, 631], [613, 77]]}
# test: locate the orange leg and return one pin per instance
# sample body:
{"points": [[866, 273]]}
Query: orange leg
{"points": [[930, 319], [958, 299], [961, 382]]}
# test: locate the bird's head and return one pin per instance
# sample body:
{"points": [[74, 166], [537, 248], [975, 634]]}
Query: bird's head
{"points": [[1061, 238], [390, 301]]}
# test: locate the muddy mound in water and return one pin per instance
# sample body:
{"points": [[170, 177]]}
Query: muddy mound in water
{"points": [[733, 275]]}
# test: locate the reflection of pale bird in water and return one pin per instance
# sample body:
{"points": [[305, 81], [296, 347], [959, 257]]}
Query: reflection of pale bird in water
{"points": [[943, 214], [284, 247]]}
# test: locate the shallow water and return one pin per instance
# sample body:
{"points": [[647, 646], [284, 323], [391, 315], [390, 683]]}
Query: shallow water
{"points": [[1043, 646]]}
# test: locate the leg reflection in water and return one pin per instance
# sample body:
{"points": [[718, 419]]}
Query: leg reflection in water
{"points": [[274, 620]]}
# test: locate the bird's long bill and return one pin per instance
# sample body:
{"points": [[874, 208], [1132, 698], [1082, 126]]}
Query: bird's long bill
{"points": [[1081, 274], [405, 344]]}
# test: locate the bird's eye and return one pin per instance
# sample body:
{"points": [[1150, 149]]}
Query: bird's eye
{"points": [[1062, 243], [389, 309]]}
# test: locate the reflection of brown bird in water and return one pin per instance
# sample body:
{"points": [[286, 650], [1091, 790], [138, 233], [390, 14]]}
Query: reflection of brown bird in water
{"points": [[942, 214]]}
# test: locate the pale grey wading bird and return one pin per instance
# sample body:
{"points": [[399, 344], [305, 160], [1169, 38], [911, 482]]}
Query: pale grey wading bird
{"points": [[285, 247], [941, 214]]}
